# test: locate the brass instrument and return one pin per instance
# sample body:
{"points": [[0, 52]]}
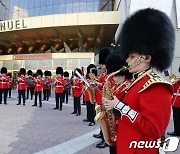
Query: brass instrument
{"points": [[92, 95], [173, 78], [107, 118]]}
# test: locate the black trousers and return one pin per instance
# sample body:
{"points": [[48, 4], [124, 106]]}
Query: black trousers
{"points": [[31, 92], [46, 93], [21, 93], [9, 91], [40, 98], [5, 91], [59, 98], [90, 111], [176, 119], [112, 149], [77, 105], [65, 95]]}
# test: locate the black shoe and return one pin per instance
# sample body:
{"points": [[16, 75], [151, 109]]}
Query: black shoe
{"points": [[173, 134], [60, 109], [9, 96], [24, 104], [5, 103], [85, 120], [40, 105], [91, 123], [18, 104], [77, 114], [34, 105], [55, 108], [102, 144], [97, 135], [73, 112]]}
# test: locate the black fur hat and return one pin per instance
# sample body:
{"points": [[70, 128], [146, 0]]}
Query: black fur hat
{"points": [[29, 72], [114, 62], [103, 53], [34, 75], [49, 73], [94, 71], [39, 72], [66, 74], [10, 75], [4, 70], [59, 70], [46, 73], [90, 67], [22, 71], [149, 32], [78, 71]]}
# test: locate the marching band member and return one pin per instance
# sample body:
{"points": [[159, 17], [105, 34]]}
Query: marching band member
{"points": [[10, 84], [4, 79], [176, 108], [47, 85], [77, 92], [38, 87], [22, 86], [147, 41], [30, 84], [67, 85], [104, 52], [59, 83]]}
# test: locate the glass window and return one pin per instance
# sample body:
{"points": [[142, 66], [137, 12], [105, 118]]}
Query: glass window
{"points": [[82, 6], [8, 64], [62, 1], [75, 1], [90, 7], [60, 63], [44, 2], [37, 3], [31, 12], [55, 9], [31, 4], [96, 6], [31, 64], [45, 64], [49, 9], [49, 2], [43, 10], [62, 8], [84, 62], [73, 64], [17, 64], [37, 11], [55, 2], [69, 1], [69, 8], [75, 7]]}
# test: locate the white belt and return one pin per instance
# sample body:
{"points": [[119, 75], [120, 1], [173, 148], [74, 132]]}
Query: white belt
{"points": [[59, 86], [21, 83], [176, 94]]}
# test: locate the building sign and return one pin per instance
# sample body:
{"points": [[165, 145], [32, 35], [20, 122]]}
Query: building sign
{"points": [[32, 56], [12, 25]]}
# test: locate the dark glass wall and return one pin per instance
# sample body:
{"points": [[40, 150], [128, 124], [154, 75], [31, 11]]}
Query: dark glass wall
{"points": [[31, 8]]}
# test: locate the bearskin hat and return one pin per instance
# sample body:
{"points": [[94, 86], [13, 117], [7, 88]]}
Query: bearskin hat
{"points": [[46, 73], [39, 72], [90, 67], [10, 75], [22, 71], [59, 70], [34, 75], [103, 53], [49, 73], [29, 72], [66, 74], [149, 32], [78, 71], [4, 70], [114, 62]]}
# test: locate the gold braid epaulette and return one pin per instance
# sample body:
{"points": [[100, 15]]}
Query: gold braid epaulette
{"points": [[154, 78]]}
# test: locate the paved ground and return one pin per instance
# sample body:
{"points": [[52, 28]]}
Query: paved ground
{"points": [[27, 129]]}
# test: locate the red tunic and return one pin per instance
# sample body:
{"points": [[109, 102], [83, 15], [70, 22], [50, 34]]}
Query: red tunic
{"points": [[47, 83], [151, 110], [4, 79], [102, 79], [22, 83], [10, 83], [59, 82], [77, 92], [38, 84], [86, 96], [176, 94]]}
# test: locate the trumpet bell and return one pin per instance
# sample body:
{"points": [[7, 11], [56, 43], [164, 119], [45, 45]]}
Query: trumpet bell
{"points": [[99, 116], [173, 78]]}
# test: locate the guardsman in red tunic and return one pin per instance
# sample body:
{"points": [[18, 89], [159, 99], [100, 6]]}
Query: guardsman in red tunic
{"points": [[4, 79], [145, 108], [176, 108], [59, 83], [67, 86], [10, 83], [77, 92], [22, 81], [38, 87], [30, 84], [47, 85], [104, 52]]}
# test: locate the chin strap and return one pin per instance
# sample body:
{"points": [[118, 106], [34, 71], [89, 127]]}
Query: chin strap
{"points": [[138, 61]]}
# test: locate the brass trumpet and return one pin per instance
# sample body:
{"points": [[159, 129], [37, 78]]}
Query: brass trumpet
{"points": [[173, 78]]}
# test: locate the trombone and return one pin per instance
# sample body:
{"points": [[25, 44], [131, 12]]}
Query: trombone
{"points": [[173, 78]]}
